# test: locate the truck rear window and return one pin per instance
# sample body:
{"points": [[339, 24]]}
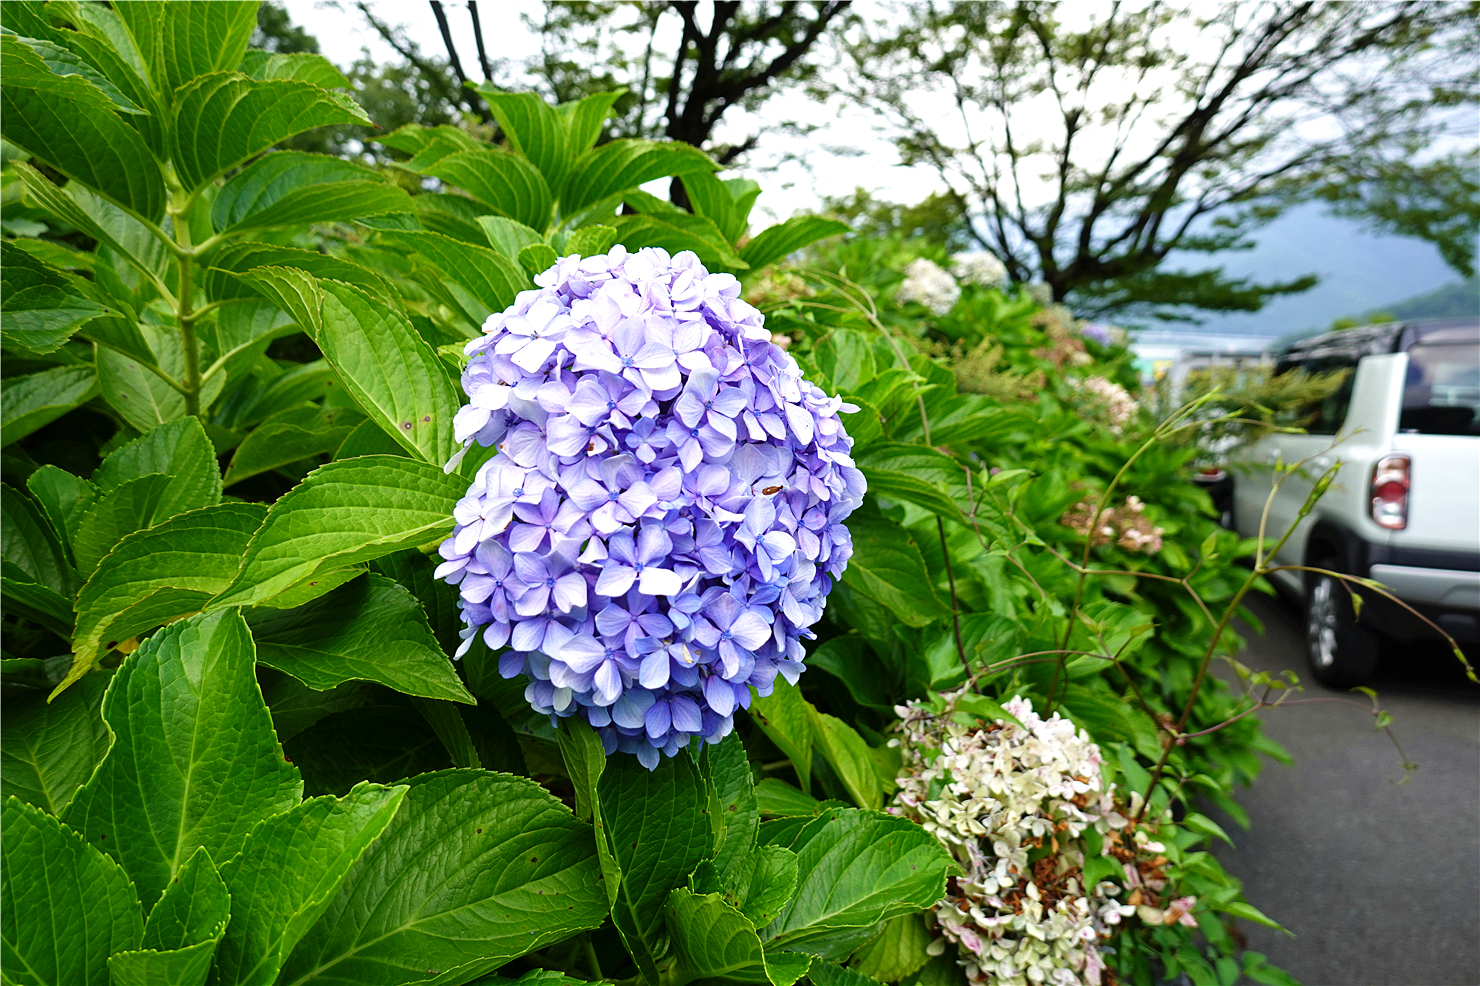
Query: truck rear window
{"points": [[1442, 393]]}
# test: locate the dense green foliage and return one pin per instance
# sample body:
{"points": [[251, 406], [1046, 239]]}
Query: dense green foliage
{"points": [[235, 748], [968, 562]]}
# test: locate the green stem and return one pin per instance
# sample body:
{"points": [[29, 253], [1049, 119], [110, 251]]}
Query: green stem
{"points": [[867, 310], [592, 961], [148, 366], [185, 313], [945, 552], [1197, 682], [1102, 506]]}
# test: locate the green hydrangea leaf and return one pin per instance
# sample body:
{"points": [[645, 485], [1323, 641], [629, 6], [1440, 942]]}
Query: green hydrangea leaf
{"points": [[42, 308], [161, 574], [342, 514], [194, 761], [371, 629], [64, 498], [896, 951], [620, 165], [855, 869], [395, 377], [887, 567], [37, 399], [73, 126], [67, 906], [179, 42], [658, 833], [733, 810], [475, 869], [182, 931], [225, 118], [776, 242], [506, 183], [534, 128], [292, 188], [715, 943], [49, 749], [292, 434], [289, 870]]}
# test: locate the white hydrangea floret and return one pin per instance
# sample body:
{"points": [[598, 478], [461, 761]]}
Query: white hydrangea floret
{"points": [[993, 794], [929, 284], [979, 267], [1120, 407]]}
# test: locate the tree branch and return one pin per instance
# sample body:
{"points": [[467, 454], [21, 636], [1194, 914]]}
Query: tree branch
{"points": [[469, 98], [478, 37]]}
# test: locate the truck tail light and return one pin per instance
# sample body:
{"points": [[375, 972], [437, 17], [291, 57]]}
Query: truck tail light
{"points": [[1389, 492]]}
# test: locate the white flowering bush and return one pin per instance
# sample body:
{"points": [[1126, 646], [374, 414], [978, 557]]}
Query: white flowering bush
{"points": [[929, 284], [1126, 525], [979, 267], [1116, 403], [1041, 293], [1024, 808]]}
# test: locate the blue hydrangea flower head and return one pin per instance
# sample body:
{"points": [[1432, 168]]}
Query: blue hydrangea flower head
{"points": [[663, 519]]}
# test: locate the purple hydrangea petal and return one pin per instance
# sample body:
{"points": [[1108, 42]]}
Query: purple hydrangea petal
{"points": [[665, 515]]}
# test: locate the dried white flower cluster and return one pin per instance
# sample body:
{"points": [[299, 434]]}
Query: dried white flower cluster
{"points": [[979, 267], [1041, 293], [927, 283], [1012, 803], [1119, 405], [1127, 525]]}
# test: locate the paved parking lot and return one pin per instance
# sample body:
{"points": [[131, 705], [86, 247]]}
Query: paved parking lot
{"points": [[1380, 881]]}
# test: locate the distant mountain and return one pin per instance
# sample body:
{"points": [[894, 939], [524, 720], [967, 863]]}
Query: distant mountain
{"points": [[1453, 300], [1360, 272]]}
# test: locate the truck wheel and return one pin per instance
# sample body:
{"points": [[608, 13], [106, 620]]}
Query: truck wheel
{"points": [[1341, 653]]}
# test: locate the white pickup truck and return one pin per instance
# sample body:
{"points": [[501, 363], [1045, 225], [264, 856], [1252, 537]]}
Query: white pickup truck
{"points": [[1404, 509]]}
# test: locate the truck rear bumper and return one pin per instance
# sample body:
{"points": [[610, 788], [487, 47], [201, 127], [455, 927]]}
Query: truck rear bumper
{"points": [[1448, 588]]}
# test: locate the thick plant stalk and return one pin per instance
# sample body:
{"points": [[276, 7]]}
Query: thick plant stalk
{"points": [[185, 315]]}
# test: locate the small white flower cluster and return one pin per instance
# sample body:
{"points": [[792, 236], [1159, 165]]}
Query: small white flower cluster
{"points": [[996, 795], [927, 283], [1127, 526], [1041, 293], [1119, 405], [979, 267]]}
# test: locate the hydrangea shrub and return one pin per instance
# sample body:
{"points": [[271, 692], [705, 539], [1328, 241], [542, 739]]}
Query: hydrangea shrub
{"points": [[979, 267], [929, 284], [997, 795], [663, 519], [1110, 399]]}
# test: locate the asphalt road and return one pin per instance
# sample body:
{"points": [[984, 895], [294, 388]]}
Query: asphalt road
{"points": [[1379, 881]]}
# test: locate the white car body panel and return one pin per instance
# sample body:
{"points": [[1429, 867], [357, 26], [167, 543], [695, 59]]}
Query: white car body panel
{"points": [[1440, 586], [1365, 436], [1443, 505]]}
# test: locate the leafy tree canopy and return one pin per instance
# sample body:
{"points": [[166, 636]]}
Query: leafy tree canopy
{"points": [[937, 219], [1087, 143], [684, 64], [277, 33]]}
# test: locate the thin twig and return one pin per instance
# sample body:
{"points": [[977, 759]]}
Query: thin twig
{"points": [[870, 312], [1378, 588], [478, 37], [1166, 428], [945, 552]]}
